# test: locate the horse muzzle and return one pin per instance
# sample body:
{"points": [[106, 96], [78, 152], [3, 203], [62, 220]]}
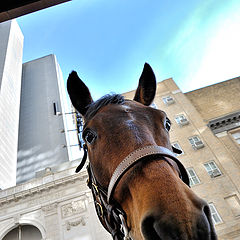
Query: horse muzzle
{"points": [[155, 227]]}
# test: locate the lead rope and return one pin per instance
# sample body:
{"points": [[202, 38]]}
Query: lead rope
{"points": [[80, 166]]}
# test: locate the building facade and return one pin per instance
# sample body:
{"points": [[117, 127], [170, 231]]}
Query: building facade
{"points": [[44, 119], [11, 50], [56, 206], [205, 125]]}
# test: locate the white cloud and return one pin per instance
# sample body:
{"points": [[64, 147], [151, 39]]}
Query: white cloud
{"points": [[206, 49], [221, 58]]}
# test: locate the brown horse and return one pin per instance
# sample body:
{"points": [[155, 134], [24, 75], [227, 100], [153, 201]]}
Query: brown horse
{"points": [[140, 189]]}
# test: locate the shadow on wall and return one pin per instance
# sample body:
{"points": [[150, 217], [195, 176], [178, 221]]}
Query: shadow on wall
{"points": [[26, 232], [33, 160]]}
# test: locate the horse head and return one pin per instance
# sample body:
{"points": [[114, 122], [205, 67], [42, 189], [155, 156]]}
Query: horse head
{"points": [[152, 191]]}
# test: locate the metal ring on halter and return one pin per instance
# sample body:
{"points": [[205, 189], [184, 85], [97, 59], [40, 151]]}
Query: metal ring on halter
{"points": [[124, 227], [100, 208]]}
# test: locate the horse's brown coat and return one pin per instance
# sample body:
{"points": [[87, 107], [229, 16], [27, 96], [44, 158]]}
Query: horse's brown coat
{"points": [[157, 203]]}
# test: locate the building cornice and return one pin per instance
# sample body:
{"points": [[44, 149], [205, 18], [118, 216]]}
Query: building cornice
{"points": [[225, 123], [39, 185]]}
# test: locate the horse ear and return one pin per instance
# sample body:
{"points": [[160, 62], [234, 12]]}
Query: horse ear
{"points": [[146, 90], [79, 93]]}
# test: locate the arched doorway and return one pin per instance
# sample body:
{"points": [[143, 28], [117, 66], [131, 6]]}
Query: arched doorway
{"points": [[23, 232]]}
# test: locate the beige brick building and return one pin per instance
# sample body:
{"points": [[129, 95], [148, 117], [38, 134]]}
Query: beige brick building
{"points": [[206, 126]]}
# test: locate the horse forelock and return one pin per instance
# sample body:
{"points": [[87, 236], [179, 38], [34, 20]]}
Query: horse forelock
{"points": [[94, 107]]}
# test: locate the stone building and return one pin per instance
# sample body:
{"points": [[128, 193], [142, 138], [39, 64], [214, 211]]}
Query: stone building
{"points": [[206, 126], [11, 50], [58, 205]]}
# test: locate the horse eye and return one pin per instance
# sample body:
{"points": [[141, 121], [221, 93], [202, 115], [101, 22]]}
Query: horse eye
{"points": [[89, 136], [168, 124]]}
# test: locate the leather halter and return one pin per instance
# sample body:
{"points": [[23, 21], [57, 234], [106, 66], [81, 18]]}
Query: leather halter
{"points": [[109, 212], [139, 154]]}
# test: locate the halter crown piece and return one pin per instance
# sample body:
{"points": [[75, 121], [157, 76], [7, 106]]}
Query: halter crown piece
{"points": [[109, 212]]}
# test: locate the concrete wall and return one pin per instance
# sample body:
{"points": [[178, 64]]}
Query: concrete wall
{"points": [[42, 141], [216, 100], [74, 152], [11, 50]]}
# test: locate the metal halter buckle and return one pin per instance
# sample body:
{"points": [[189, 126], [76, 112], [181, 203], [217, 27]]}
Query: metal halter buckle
{"points": [[124, 228], [96, 188], [99, 209]]}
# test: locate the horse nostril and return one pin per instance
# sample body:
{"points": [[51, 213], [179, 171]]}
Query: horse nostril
{"points": [[155, 227], [148, 229], [208, 214]]}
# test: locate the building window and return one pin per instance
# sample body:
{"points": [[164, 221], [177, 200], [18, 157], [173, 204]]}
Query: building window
{"points": [[193, 177], [215, 216], [234, 203], [181, 120], [177, 145], [168, 100], [153, 105], [79, 122], [24, 232], [236, 137], [212, 169], [196, 142], [56, 109]]}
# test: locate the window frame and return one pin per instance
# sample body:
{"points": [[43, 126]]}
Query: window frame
{"points": [[235, 140], [56, 109], [210, 172], [191, 177], [179, 147], [153, 105], [194, 141], [179, 117], [215, 213], [164, 99]]}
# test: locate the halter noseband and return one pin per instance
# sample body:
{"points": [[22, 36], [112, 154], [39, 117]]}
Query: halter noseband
{"points": [[136, 156], [109, 212]]}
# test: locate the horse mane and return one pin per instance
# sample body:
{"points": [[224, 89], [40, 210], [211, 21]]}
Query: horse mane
{"points": [[94, 107]]}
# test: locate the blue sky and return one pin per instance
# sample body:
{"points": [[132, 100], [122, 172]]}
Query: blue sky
{"points": [[107, 42]]}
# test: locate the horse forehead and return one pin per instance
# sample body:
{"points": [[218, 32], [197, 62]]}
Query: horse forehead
{"points": [[128, 110], [127, 106]]}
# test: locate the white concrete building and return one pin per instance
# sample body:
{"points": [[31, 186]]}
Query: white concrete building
{"points": [[56, 206], [11, 50], [45, 121]]}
